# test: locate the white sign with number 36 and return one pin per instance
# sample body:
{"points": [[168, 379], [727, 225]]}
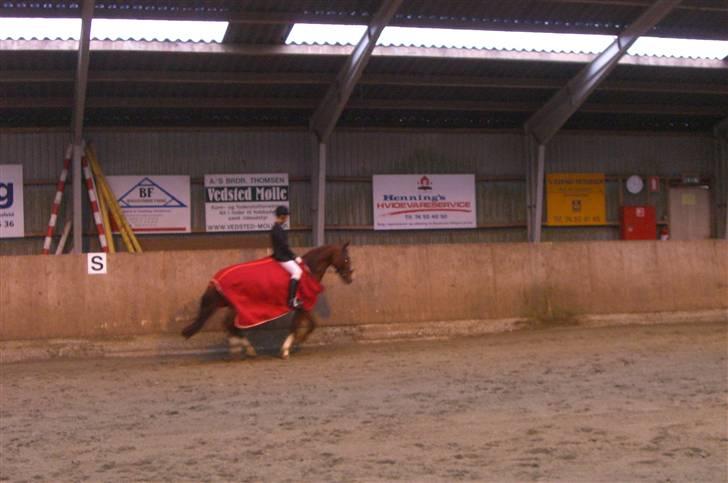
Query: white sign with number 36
{"points": [[12, 219]]}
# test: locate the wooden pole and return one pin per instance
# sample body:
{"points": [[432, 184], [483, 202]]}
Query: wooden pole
{"points": [[64, 237]]}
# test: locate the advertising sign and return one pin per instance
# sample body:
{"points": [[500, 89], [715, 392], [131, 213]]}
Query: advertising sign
{"points": [[154, 204], [243, 202], [575, 199], [424, 202], [12, 219]]}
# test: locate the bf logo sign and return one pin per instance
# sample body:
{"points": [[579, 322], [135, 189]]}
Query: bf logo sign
{"points": [[96, 263], [146, 192]]}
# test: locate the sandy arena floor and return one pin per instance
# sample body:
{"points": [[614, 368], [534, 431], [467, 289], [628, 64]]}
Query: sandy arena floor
{"points": [[570, 404]]}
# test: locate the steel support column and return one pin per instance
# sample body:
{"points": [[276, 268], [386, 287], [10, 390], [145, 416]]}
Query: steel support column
{"points": [[319, 192], [721, 179], [77, 122], [535, 155]]}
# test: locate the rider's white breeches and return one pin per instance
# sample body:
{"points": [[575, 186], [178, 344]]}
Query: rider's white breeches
{"points": [[292, 267]]}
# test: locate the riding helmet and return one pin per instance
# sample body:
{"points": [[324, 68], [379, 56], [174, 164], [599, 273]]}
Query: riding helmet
{"points": [[281, 210]]}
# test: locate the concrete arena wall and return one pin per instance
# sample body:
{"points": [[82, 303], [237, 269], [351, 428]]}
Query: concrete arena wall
{"points": [[46, 297]]}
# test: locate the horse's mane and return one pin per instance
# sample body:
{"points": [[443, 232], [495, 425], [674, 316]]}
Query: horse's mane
{"points": [[315, 253]]}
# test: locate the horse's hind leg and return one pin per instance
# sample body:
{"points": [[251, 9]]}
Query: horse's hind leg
{"points": [[237, 344], [237, 341], [209, 303], [242, 343]]}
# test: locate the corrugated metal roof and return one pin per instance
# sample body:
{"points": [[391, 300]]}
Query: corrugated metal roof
{"points": [[669, 74], [395, 91], [438, 93], [173, 9], [197, 117], [445, 44], [120, 117], [190, 62], [641, 122], [211, 91], [35, 89], [37, 60], [257, 34], [691, 19], [470, 67], [660, 98]]}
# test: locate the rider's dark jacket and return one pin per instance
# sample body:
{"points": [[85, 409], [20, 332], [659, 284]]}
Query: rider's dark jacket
{"points": [[279, 238]]}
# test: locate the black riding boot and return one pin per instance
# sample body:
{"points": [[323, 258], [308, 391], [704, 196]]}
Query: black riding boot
{"points": [[293, 301]]}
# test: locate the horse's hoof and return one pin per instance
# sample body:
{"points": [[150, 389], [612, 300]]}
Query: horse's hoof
{"points": [[285, 355], [251, 354]]}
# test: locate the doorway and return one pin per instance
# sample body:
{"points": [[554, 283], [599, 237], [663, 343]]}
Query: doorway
{"points": [[689, 212]]}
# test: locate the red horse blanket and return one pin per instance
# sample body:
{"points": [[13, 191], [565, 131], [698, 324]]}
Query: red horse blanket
{"points": [[258, 290]]}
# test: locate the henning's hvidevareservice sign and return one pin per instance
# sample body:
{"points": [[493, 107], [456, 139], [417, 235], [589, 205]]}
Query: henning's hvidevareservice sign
{"points": [[12, 219], [424, 202], [244, 202], [154, 204], [575, 199]]}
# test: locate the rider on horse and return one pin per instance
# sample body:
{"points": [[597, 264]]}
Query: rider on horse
{"points": [[283, 254]]}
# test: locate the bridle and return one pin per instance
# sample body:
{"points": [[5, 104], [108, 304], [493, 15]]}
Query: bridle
{"points": [[344, 271]]}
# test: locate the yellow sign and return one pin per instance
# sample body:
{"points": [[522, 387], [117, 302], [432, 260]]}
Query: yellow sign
{"points": [[688, 199], [574, 199]]}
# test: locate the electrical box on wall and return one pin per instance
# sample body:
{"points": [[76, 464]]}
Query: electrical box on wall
{"points": [[638, 223]]}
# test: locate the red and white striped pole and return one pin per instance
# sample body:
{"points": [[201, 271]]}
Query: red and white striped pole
{"points": [[60, 186], [94, 203]]}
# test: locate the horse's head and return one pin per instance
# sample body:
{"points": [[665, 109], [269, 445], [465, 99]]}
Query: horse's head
{"points": [[342, 263], [320, 259]]}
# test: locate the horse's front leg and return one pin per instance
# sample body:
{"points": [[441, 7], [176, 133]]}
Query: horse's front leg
{"points": [[310, 327], [298, 317]]}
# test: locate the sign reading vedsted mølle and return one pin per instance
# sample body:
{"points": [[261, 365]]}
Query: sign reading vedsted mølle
{"points": [[244, 202]]}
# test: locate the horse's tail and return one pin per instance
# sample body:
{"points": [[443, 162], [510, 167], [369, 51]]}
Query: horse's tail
{"points": [[208, 304]]}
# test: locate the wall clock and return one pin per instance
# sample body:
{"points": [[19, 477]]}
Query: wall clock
{"points": [[635, 184]]}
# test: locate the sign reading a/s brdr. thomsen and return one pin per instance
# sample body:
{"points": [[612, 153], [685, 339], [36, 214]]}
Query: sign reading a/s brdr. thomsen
{"points": [[244, 202], [424, 201], [12, 220], [575, 199]]}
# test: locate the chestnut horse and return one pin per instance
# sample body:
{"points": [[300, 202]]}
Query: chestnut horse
{"points": [[318, 261]]}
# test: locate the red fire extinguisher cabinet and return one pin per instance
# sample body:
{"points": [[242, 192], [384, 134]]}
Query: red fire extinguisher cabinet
{"points": [[638, 223]]}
